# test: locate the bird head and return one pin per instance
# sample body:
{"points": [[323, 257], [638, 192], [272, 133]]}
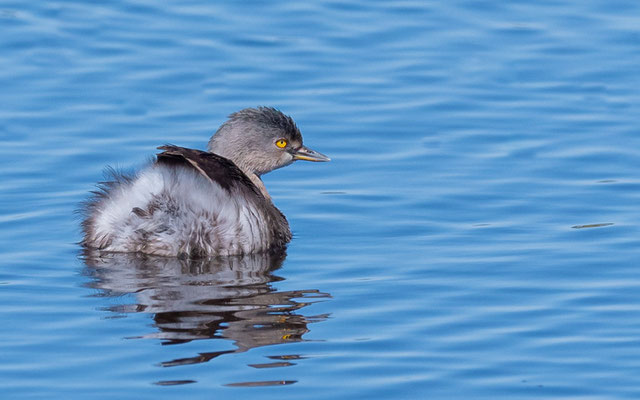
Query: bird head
{"points": [[259, 140]]}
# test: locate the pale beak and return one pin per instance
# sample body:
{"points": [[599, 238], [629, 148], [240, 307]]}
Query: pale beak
{"points": [[304, 153]]}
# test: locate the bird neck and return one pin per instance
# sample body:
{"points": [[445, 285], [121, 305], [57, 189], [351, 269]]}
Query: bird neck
{"points": [[239, 159], [255, 179]]}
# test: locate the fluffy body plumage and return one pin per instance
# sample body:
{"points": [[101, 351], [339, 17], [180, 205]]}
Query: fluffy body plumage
{"points": [[193, 203]]}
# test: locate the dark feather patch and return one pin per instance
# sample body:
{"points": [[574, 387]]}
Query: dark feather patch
{"points": [[214, 167], [139, 212]]}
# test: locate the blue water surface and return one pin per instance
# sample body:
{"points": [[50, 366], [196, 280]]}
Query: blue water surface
{"points": [[476, 235]]}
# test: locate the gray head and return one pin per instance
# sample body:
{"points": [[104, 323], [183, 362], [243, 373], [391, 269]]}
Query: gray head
{"points": [[259, 140]]}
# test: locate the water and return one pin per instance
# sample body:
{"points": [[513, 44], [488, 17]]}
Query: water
{"points": [[475, 236]]}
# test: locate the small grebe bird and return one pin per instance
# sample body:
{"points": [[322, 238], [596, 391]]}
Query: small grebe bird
{"points": [[192, 203]]}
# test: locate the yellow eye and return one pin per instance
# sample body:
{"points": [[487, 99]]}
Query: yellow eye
{"points": [[281, 143]]}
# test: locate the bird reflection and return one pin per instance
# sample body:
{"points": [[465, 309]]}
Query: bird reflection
{"points": [[221, 298]]}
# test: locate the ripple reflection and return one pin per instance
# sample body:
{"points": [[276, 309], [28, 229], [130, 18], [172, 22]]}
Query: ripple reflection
{"points": [[221, 298]]}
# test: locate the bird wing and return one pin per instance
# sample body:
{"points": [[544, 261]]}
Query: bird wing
{"points": [[212, 166]]}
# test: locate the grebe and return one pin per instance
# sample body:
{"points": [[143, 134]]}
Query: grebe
{"points": [[192, 203]]}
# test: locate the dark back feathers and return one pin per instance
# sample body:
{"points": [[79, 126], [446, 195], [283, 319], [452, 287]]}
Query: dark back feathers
{"points": [[212, 166]]}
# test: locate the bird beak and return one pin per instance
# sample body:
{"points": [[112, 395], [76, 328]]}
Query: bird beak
{"points": [[304, 153]]}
